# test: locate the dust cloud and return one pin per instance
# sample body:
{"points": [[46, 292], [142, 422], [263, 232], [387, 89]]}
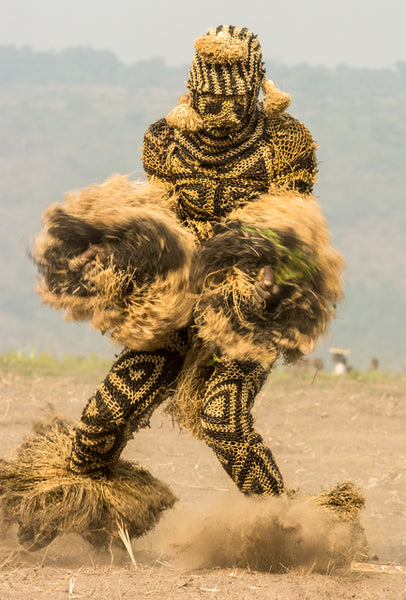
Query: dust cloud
{"points": [[262, 534]]}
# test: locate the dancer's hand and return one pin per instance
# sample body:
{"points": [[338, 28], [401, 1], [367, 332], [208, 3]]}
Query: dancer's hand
{"points": [[266, 292], [94, 258]]}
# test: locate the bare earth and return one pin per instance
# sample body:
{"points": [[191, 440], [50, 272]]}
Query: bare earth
{"points": [[321, 432]]}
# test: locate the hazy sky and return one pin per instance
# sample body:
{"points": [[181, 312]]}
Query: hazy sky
{"points": [[361, 33]]}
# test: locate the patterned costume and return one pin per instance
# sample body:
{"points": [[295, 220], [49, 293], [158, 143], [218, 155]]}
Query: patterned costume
{"points": [[208, 176], [229, 194]]}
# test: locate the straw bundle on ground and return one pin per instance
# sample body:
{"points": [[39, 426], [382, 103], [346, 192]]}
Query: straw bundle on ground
{"points": [[345, 500], [287, 231], [38, 492], [134, 283]]}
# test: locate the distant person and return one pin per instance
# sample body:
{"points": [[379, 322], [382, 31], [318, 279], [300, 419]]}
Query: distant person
{"points": [[339, 359], [340, 365]]}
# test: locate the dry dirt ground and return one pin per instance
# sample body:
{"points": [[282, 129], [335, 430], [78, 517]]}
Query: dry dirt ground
{"points": [[321, 431]]}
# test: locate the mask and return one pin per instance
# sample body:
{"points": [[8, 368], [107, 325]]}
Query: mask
{"points": [[221, 115]]}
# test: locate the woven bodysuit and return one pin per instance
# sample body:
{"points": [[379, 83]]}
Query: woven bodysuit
{"points": [[211, 177], [207, 174]]}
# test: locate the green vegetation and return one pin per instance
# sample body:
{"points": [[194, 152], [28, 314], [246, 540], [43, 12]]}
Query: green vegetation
{"points": [[43, 363], [295, 377], [93, 367], [72, 118], [291, 266]]}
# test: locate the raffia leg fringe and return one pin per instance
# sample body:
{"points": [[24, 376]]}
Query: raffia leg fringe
{"points": [[41, 494], [185, 406]]}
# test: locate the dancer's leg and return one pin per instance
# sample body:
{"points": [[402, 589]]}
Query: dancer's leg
{"points": [[123, 403], [228, 427]]}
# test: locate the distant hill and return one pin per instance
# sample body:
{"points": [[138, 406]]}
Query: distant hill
{"points": [[73, 118]]}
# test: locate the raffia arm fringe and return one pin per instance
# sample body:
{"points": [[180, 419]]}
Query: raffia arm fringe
{"points": [[141, 292], [288, 231], [38, 492]]}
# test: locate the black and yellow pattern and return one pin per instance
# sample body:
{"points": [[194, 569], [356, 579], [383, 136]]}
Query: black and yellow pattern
{"points": [[227, 425], [237, 173], [170, 271], [136, 385], [209, 177], [238, 149], [123, 403], [228, 60], [208, 172]]}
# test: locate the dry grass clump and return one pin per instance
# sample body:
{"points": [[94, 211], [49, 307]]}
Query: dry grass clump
{"points": [[344, 499], [38, 492]]}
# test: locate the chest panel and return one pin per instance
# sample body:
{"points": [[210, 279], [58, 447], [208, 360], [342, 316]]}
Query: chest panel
{"points": [[207, 191]]}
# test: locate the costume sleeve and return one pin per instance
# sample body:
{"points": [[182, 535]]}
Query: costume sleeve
{"points": [[157, 142], [287, 230], [136, 295], [294, 156]]}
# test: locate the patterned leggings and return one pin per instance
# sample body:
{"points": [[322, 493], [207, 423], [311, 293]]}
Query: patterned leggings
{"points": [[135, 386], [228, 427]]}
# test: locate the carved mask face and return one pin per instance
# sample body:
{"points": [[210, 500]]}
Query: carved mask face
{"points": [[222, 115]]}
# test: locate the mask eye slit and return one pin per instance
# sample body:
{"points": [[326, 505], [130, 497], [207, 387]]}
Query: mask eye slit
{"points": [[213, 108]]}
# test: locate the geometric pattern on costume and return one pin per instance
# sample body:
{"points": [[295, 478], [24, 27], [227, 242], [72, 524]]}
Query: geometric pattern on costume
{"points": [[209, 175], [211, 72], [227, 425], [208, 180], [123, 403]]}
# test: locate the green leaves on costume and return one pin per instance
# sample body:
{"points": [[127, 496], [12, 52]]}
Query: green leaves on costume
{"points": [[292, 266], [213, 360]]}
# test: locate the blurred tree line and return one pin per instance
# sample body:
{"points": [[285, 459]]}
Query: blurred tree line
{"points": [[84, 66], [71, 118]]}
